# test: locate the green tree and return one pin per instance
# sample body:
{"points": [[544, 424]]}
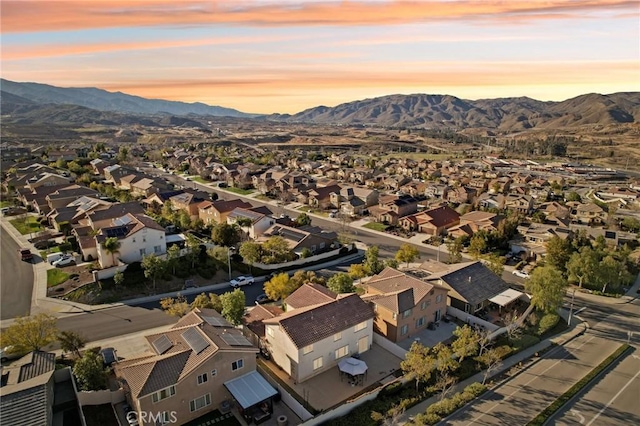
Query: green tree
{"points": [[419, 362], [173, 256], [341, 283], [193, 250], [118, 278], [454, 247], [210, 301], [407, 253], [90, 372], [372, 262], [444, 358], [279, 287], [612, 274], [306, 252], [112, 246], [31, 333], [303, 219], [301, 277], [225, 234], [175, 306], [491, 361], [277, 249], [573, 196], [357, 271], [251, 253], [495, 263], [466, 342], [123, 152], [547, 288], [391, 263], [479, 244], [558, 253], [233, 305], [582, 265], [153, 268], [72, 342]]}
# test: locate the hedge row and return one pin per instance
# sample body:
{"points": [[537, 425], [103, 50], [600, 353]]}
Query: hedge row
{"points": [[541, 418], [447, 406]]}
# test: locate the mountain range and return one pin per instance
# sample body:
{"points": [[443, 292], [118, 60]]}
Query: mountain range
{"points": [[26, 103]]}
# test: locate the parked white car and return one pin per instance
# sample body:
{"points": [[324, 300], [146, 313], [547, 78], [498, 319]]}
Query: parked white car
{"points": [[521, 274], [65, 260], [240, 281], [7, 355]]}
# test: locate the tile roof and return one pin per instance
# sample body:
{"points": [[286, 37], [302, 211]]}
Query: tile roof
{"points": [[309, 294], [227, 206], [314, 323], [401, 291], [254, 319]]}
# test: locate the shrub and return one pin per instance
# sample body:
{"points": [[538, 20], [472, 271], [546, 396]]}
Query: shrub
{"points": [[475, 389], [426, 419], [547, 322], [65, 247]]}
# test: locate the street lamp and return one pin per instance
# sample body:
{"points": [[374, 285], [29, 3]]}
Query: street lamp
{"points": [[229, 259]]}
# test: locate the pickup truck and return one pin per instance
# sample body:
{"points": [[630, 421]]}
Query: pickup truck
{"points": [[25, 254], [240, 281]]}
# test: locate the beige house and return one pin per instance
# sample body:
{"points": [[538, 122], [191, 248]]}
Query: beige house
{"points": [[314, 336], [404, 305], [196, 366], [212, 212]]}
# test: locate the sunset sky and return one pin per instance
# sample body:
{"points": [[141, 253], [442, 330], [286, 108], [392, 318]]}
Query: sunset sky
{"points": [[269, 56]]}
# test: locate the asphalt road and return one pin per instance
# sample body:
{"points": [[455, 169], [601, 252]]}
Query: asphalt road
{"points": [[16, 280], [613, 400], [518, 400]]}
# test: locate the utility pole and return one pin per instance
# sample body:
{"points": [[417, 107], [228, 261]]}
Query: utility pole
{"points": [[229, 261], [573, 295]]}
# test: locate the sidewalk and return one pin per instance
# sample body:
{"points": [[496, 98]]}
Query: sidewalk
{"points": [[577, 328]]}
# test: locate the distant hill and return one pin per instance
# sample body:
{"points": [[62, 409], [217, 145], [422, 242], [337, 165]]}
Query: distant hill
{"points": [[505, 114], [102, 100]]}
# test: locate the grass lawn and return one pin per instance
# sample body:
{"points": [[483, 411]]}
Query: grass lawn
{"points": [[55, 277], [239, 190], [44, 253], [5, 204], [263, 198], [376, 226], [26, 225], [200, 180]]}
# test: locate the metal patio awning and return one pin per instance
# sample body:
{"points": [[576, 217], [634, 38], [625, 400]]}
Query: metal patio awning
{"points": [[506, 297], [250, 389]]}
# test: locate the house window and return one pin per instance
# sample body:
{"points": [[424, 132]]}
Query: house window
{"points": [[202, 378], [143, 252], [198, 403], [317, 363], [237, 365], [337, 336], [406, 313], [423, 305], [164, 394], [404, 329], [214, 373], [439, 298], [420, 322], [307, 349], [156, 249], [342, 352], [144, 239], [164, 420], [361, 326], [313, 248], [321, 246]]}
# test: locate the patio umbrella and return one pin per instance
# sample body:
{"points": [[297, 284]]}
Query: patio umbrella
{"points": [[352, 366]]}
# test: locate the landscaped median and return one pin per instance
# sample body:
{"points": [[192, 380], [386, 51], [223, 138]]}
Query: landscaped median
{"points": [[541, 418]]}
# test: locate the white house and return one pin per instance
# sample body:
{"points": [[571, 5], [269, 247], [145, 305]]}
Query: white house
{"points": [[311, 339], [259, 221], [138, 236]]}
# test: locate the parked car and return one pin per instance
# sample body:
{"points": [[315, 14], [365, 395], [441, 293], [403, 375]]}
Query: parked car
{"points": [[521, 274], [132, 418], [108, 356], [53, 257], [25, 254], [7, 355], [240, 281], [263, 298], [65, 260]]}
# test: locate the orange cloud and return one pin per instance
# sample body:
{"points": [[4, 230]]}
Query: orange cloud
{"points": [[38, 15]]}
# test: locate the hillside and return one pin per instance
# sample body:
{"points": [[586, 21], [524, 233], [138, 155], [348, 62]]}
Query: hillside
{"points": [[103, 100], [505, 114]]}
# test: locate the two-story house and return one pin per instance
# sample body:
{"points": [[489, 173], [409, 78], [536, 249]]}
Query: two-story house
{"points": [[434, 221], [403, 304], [474, 221], [391, 208], [254, 222], [316, 335], [196, 366], [212, 212]]}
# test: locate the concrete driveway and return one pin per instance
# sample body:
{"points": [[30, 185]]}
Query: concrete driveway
{"points": [[430, 338]]}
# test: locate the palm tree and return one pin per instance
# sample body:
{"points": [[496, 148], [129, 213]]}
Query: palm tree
{"points": [[111, 245]]}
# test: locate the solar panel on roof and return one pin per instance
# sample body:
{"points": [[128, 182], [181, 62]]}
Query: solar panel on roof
{"points": [[162, 344], [194, 339], [609, 234], [217, 322], [124, 220], [235, 339]]}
